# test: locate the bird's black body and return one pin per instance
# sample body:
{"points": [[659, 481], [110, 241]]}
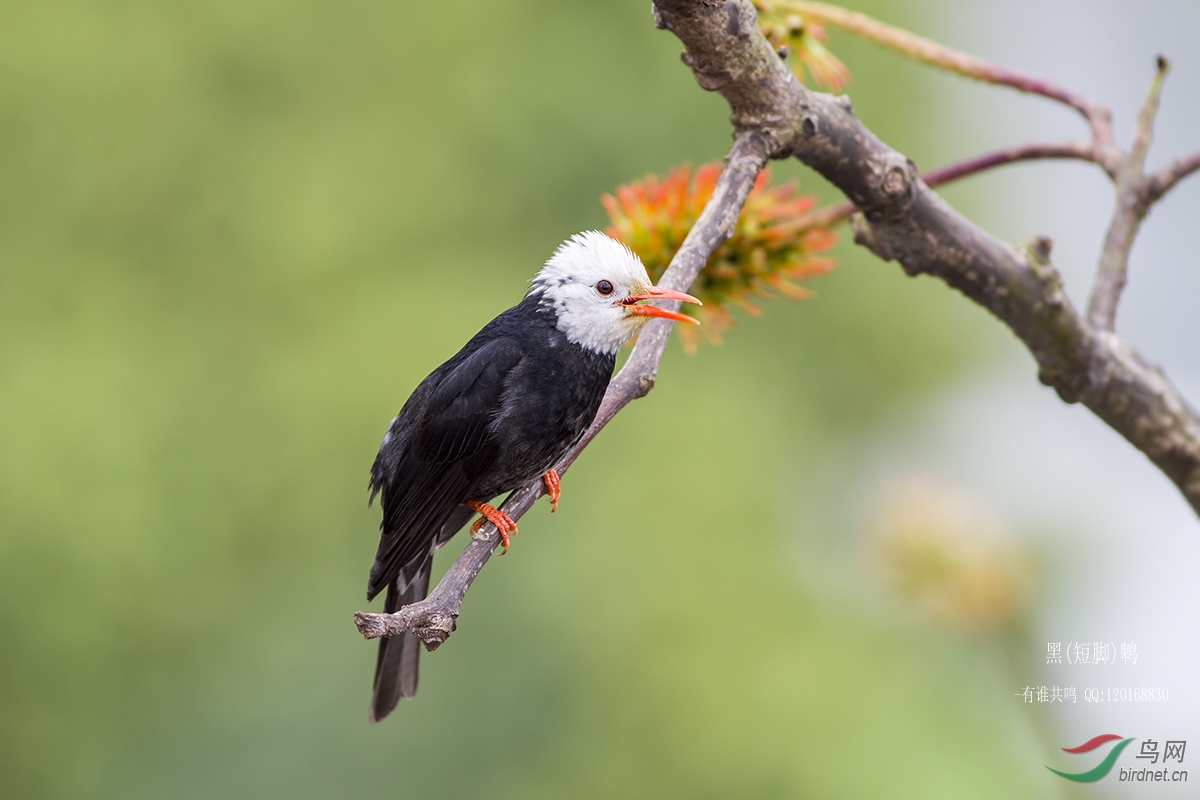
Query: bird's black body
{"points": [[497, 415]]}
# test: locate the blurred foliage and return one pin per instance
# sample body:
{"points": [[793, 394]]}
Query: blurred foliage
{"points": [[233, 237], [772, 244], [939, 550]]}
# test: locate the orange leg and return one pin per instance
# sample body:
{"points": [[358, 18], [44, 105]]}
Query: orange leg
{"points": [[552, 488], [502, 521]]}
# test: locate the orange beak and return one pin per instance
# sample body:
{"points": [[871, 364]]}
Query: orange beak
{"points": [[655, 293]]}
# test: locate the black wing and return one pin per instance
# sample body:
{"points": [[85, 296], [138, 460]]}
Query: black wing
{"points": [[445, 447]]}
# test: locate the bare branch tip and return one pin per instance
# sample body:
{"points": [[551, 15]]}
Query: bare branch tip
{"points": [[370, 625]]}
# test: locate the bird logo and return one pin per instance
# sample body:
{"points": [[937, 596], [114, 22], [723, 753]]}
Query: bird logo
{"points": [[1100, 770]]}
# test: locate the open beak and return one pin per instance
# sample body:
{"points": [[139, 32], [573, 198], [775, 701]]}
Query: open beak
{"points": [[655, 293]]}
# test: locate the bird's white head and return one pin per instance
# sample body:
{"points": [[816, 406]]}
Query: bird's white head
{"points": [[596, 286]]}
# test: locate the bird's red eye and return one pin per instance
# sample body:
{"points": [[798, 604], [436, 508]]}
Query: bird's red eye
{"points": [[604, 288]]}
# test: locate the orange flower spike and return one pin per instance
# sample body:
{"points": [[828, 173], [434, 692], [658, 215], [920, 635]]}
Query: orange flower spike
{"points": [[826, 70], [771, 245], [816, 240], [760, 182]]}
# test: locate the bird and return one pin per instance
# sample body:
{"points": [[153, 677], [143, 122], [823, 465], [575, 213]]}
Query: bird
{"points": [[497, 415]]}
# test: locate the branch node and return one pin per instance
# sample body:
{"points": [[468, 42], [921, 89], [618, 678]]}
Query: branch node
{"points": [[371, 626], [898, 185], [733, 12], [711, 81], [865, 236], [435, 629], [1036, 252], [895, 183]]}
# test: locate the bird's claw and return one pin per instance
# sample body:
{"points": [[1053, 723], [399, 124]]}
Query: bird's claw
{"points": [[553, 488], [503, 522]]}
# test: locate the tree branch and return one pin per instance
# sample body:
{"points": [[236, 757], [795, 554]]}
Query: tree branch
{"points": [[1131, 209], [831, 215], [1161, 182], [919, 48], [433, 619], [1083, 151], [904, 220]]}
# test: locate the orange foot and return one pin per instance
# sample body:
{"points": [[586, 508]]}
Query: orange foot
{"points": [[552, 488], [503, 522]]}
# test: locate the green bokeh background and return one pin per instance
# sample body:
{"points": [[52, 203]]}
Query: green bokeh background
{"points": [[233, 237]]}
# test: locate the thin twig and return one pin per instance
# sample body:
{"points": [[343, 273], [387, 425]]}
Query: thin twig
{"points": [[1083, 151], [1143, 131], [1159, 183], [1131, 209], [840, 212], [433, 619]]}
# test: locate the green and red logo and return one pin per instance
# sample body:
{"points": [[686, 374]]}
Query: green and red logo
{"points": [[1100, 770]]}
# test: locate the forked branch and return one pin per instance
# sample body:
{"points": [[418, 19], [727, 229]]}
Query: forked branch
{"points": [[1133, 203], [902, 219]]}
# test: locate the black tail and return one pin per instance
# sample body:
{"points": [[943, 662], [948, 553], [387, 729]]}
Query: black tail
{"points": [[396, 666]]}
